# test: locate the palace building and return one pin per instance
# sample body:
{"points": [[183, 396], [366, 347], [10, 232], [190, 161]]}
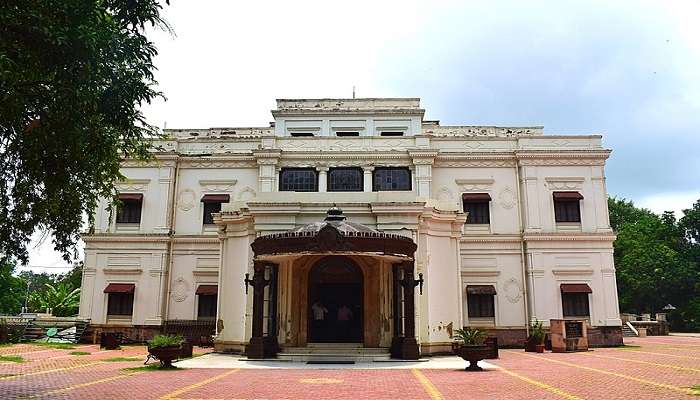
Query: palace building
{"points": [[356, 222]]}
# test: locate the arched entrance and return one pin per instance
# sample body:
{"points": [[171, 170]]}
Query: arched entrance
{"points": [[335, 301]]}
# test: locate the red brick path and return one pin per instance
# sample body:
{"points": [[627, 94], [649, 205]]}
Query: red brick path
{"points": [[650, 368]]}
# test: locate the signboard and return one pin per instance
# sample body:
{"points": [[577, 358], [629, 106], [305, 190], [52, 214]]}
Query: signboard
{"points": [[573, 329]]}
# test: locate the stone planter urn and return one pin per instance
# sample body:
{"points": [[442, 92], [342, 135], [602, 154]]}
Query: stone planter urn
{"points": [[473, 354], [166, 355]]}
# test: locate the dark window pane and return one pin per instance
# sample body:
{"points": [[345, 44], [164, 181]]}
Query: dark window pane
{"points": [[391, 133], [301, 134], [347, 134], [480, 306], [207, 306], [129, 212], [209, 208], [391, 179], [298, 180], [120, 303], [345, 180], [567, 211], [478, 212], [575, 304]]}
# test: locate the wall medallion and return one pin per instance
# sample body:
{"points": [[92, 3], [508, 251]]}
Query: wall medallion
{"points": [[511, 289], [506, 198], [186, 200], [180, 289]]}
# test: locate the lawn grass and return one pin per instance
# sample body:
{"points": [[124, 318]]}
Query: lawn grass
{"points": [[80, 353], [151, 367], [61, 346], [118, 359], [628, 347], [16, 359]]}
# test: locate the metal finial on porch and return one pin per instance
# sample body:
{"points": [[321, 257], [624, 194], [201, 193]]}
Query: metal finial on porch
{"points": [[335, 214]]}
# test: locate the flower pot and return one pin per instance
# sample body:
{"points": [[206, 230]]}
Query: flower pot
{"points": [[539, 348], [166, 355], [473, 354]]}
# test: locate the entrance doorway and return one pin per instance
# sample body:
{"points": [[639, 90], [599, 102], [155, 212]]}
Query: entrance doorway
{"points": [[335, 301]]}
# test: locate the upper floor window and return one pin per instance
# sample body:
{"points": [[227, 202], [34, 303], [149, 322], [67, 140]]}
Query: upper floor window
{"points": [[480, 302], [476, 205], [391, 178], [567, 206], [129, 211], [345, 180], [212, 204], [298, 180], [391, 133], [347, 133], [301, 134], [574, 299]]}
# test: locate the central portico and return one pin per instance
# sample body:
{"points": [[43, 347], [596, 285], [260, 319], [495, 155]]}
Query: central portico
{"points": [[333, 281]]}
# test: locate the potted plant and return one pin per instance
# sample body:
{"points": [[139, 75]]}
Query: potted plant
{"points": [[470, 346], [166, 348], [535, 341]]}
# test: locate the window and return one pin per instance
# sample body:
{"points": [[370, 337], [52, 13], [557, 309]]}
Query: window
{"points": [[206, 302], [298, 180], [120, 304], [476, 205], [212, 204], [391, 133], [342, 134], [345, 180], [120, 299], [575, 304], [567, 206], [129, 211], [301, 134], [391, 178], [480, 301], [574, 299]]}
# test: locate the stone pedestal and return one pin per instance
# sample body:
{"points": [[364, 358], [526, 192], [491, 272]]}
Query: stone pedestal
{"points": [[568, 335]]}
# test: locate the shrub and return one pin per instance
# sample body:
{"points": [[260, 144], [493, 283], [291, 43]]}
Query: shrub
{"points": [[470, 336], [537, 332], [166, 341]]}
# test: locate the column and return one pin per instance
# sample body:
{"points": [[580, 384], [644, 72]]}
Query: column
{"points": [[409, 345], [322, 179], [368, 178], [256, 347]]}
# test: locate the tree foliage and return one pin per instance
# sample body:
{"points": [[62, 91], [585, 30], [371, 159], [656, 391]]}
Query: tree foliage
{"points": [[12, 289], [73, 75], [61, 298], [656, 261]]}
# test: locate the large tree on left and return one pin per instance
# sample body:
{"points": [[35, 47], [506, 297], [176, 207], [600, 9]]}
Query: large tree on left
{"points": [[73, 76]]}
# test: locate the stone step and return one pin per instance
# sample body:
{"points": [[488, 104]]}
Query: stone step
{"points": [[329, 353]]}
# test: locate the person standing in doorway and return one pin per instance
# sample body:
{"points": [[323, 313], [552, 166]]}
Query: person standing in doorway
{"points": [[344, 317], [319, 312]]}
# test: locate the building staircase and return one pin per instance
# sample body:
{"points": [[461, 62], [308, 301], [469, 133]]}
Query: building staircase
{"points": [[329, 353], [628, 330]]}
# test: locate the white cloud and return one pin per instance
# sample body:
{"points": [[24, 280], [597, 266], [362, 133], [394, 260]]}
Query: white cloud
{"points": [[676, 202]]}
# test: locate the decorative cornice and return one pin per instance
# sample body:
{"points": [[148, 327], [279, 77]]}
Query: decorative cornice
{"points": [[480, 272], [572, 271], [122, 271], [205, 273], [573, 236]]}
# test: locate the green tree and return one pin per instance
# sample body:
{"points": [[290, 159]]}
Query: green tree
{"points": [[73, 75], [60, 297], [654, 263], [12, 289]]}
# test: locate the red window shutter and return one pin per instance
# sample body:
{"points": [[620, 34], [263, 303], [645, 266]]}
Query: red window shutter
{"points": [[567, 196], [575, 288], [131, 196], [476, 197], [207, 289], [216, 198], [120, 288], [481, 289]]}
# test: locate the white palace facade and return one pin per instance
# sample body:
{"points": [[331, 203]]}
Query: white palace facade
{"points": [[356, 221]]}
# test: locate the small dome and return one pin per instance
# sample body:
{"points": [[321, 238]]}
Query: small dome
{"points": [[335, 218]]}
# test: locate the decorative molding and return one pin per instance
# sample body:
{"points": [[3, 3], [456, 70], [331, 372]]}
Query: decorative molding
{"points": [[218, 185], [565, 183], [572, 271], [205, 273], [572, 236], [247, 193], [506, 198], [133, 184], [215, 164], [471, 272], [474, 185], [122, 271], [512, 290], [186, 200], [180, 290]]}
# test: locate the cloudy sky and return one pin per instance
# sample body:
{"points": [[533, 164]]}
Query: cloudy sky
{"points": [[629, 70]]}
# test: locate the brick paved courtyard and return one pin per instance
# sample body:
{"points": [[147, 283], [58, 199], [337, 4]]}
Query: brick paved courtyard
{"points": [[649, 368]]}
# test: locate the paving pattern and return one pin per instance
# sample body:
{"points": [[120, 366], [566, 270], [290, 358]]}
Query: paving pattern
{"points": [[647, 368]]}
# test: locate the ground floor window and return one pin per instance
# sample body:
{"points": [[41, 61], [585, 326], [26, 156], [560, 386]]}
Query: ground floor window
{"points": [[120, 304], [575, 304], [206, 301], [480, 302]]}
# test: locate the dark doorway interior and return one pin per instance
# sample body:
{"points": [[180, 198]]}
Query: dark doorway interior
{"points": [[335, 301]]}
